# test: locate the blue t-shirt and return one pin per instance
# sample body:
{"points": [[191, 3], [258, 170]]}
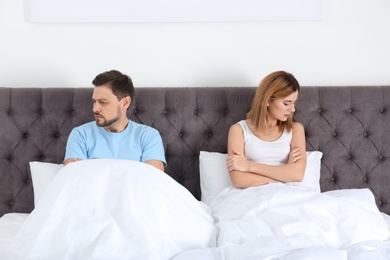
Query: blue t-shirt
{"points": [[137, 142]]}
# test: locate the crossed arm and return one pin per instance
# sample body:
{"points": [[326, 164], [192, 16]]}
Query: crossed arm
{"points": [[244, 173]]}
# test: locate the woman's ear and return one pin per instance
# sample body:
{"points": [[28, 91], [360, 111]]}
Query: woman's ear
{"points": [[269, 101]]}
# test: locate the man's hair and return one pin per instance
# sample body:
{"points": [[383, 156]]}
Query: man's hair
{"points": [[278, 84], [120, 84]]}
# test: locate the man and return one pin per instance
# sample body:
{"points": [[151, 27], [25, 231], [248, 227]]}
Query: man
{"points": [[113, 135]]}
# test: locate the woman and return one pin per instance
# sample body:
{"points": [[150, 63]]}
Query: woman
{"points": [[268, 146], [283, 220]]}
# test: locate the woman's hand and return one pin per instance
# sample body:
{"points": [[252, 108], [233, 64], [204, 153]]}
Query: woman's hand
{"points": [[295, 155], [237, 162]]}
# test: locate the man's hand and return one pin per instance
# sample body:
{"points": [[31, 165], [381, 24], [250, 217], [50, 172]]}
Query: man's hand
{"points": [[70, 160]]}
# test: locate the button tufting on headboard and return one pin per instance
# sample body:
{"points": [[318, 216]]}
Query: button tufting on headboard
{"points": [[349, 125]]}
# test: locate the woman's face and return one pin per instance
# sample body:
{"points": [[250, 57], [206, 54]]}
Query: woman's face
{"points": [[282, 108]]}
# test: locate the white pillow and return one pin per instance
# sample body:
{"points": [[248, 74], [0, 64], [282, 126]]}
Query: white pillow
{"points": [[312, 171], [42, 174], [214, 175]]}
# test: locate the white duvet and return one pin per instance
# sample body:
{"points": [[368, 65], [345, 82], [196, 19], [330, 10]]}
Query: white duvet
{"points": [[279, 221], [113, 209]]}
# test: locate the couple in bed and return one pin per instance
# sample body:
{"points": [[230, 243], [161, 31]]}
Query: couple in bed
{"points": [[122, 209], [269, 126]]}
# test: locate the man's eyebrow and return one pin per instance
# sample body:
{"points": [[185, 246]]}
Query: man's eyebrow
{"points": [[100, 99]]}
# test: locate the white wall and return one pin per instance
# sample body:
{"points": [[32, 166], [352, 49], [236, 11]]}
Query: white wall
{"points": [[348, 46]]}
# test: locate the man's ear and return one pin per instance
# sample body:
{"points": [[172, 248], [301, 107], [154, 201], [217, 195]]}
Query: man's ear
{"points": [[126, 102]]}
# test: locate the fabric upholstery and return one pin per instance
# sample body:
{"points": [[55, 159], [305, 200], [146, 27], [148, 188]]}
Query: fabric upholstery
{"points": [[349, 125]]}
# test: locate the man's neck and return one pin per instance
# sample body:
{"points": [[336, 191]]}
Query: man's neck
{"points": [[117, 127]]}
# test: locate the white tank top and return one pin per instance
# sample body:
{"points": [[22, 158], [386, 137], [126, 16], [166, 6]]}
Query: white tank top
{"points": [[271, 153]]}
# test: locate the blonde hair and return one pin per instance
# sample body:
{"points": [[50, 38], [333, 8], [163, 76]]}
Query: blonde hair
{"points": [[278, 84]]}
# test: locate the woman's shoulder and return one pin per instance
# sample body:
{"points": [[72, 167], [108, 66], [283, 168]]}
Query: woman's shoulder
{"points": [[237, 128], [239, 125], [297, 126], [297, 129]]}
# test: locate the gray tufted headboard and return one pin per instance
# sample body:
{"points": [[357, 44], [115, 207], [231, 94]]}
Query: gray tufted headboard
{"points": [[349, 125]]}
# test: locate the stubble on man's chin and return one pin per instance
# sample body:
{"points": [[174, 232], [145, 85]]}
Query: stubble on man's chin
{"points": [[106, 123], [102, 123], [97, 122]]}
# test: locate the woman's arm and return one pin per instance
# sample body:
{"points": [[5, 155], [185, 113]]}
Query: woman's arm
{"points": [[293, 171], [242, 179]]}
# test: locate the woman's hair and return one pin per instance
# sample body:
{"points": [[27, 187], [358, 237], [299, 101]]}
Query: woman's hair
{"points": [[121, 84], [278, 84]]}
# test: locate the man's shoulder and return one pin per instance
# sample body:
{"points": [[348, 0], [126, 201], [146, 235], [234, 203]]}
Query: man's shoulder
{"points": [[86, 126], [139, 125], [142, 128]]}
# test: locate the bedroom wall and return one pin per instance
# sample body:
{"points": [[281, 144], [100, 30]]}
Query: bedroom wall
{"points": [[348, 46]]}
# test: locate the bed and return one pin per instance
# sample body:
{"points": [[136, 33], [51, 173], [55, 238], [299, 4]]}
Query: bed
{"points": [[348, 148]]}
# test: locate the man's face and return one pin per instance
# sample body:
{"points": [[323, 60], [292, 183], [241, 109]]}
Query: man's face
{"points": [[107, 109]]}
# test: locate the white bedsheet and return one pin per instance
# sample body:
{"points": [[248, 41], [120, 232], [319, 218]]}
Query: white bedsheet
{"points": [[275, 221], [113, 209], [279, 221], [9, 225]]}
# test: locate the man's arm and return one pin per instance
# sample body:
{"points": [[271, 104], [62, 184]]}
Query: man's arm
{"points": [[74, 148], [153, 150], [158, 164]]}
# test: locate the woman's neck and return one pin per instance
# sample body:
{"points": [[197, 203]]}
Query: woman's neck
{"points": [[271, 132]]}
